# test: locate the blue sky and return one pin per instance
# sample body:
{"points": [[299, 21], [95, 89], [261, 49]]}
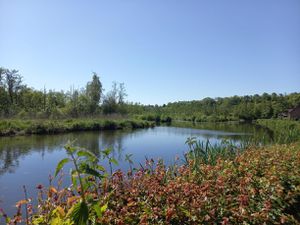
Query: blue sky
{"points": [[163, 50]]}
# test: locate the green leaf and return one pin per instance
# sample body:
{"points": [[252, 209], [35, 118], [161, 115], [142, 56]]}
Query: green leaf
{"points": [[97, 209], [106, 152], [100, 210], [36, 220], [114, 161], [85, 168], [101, 168], [86, 153], [69, 147], [74, 176], [56, 221], [60, 165], [80, 213], [103, 208]]}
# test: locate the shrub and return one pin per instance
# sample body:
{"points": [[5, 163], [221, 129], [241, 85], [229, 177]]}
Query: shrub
{"points": [[258, 186]]}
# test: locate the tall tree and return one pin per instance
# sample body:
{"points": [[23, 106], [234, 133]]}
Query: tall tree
{"points": [[121, 93], [14, 84], [2, 72], [94, 92], [110, 102]]}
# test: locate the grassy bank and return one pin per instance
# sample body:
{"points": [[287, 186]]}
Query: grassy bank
{"points": [[258, 186], [27, 127], [284, 131]]}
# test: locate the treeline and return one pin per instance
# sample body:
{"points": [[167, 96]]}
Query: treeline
{"points": [[249, 107], [19, 100]]}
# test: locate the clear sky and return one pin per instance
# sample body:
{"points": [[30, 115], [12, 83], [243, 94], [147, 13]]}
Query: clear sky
{"points": [[163, 50]]}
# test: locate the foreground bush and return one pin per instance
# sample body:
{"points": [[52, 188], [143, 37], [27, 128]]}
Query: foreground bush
{"points": [[258, 186]]}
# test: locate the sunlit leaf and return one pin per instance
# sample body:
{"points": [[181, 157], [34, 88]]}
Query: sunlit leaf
{"points": [[114, 161], [101, 168], [60, 165], [74, 176], [100, 210], [69, 147], [86, 153]]}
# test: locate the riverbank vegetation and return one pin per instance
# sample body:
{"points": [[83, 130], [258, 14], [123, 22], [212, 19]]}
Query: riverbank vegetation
{"points": [[235, 108], [282, 130], [259, 185], [26, 127], [17, 100]]}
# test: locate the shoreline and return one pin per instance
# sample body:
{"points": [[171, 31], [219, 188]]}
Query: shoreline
{"points": [[17, 127]]}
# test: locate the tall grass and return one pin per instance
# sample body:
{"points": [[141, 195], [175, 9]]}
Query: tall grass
{"points": [[282, 130], [203, 152]]}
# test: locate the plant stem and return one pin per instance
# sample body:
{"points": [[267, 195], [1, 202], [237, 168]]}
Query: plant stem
{"points": [[26, 198], [79, 177]]}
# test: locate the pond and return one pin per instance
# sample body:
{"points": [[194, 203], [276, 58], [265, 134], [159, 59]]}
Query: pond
{"points": [[29, 160]]}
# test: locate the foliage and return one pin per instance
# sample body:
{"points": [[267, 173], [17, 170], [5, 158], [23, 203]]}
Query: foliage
{"points": [[258, 186], [201, 152], [94, 92], [283, 131], [26, 127], [79, 204], [234, 108], [114, 100], [18, 100]]}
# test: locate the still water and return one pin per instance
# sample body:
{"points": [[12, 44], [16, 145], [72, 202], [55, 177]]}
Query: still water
{"points": [[29, 160]]}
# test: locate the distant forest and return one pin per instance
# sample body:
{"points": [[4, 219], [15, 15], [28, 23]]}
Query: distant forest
{"points": [[17, 100], [248, 107]]}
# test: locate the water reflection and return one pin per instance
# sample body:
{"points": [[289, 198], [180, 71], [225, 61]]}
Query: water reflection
{"points": [[14, 148]]}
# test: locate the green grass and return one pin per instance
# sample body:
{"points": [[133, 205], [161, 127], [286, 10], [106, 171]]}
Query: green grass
{"points": [[27, 127], [283, 130]]}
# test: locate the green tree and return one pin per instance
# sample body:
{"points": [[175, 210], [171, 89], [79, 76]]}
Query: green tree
{"points": [[94, 92], [13, 83], [110, 102]]}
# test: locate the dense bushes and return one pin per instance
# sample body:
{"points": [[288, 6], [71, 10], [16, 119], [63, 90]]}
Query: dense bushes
{"points": [[258, 186], [156, 118]]}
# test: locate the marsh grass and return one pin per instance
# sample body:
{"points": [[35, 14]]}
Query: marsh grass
{"points": [[203, 152], [282, 130]]}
